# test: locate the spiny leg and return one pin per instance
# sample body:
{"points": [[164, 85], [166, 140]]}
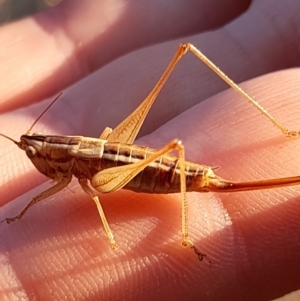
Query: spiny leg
{"points": [[186, 242], [109, 233], [115, 178], [128, 129], [238, 89], [54, 189]]}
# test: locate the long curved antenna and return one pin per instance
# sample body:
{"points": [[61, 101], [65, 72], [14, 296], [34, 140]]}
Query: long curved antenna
{"points": [[11, 139], [29, 130]]}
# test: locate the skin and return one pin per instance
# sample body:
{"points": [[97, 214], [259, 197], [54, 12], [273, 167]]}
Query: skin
{"points": [[59, 249]]}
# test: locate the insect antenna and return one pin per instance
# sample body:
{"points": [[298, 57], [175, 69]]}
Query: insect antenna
{"points": [[41, 115], [28, 132], [11, 139]]}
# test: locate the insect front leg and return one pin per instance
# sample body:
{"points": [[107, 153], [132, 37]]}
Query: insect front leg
{"points": [[52, 190], [89, 191]]}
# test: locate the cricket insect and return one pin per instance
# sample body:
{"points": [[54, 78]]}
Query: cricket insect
{"points": [[112, 161]]}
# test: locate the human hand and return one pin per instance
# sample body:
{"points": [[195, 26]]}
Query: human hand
{"points": [[252, 238]]}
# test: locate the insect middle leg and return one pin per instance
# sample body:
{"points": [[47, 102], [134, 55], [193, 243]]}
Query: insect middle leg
{"points": [[109, 233]]}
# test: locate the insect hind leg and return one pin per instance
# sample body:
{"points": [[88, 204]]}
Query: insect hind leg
{"points": [[115, 178], [186, 242]]}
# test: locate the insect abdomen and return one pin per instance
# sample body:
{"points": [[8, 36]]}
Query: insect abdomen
{"points": [[161, 176]]}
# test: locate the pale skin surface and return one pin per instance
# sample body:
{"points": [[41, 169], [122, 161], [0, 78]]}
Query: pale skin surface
{"points": [[59, 248]]}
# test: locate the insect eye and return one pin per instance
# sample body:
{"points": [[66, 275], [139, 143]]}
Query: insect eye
{"points": [[30, 152]]}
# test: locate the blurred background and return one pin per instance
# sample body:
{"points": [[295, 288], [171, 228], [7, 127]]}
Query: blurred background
{"points": [[11, 10]]}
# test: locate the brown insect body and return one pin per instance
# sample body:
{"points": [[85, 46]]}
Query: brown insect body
{"points": [[60, 157]]}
